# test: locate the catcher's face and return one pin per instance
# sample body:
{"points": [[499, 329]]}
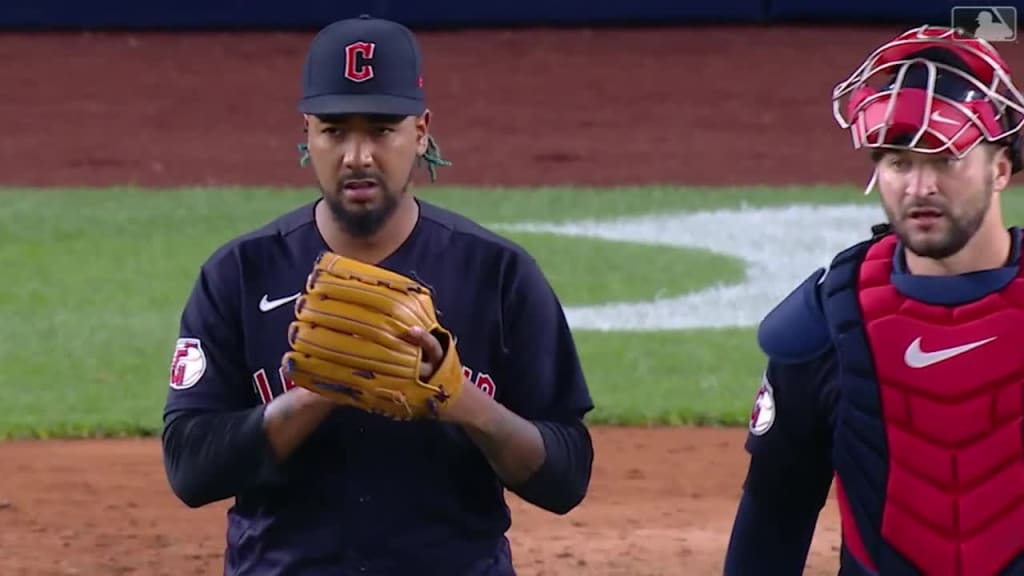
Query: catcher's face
{"points": [[938, 203], [364, 164]]}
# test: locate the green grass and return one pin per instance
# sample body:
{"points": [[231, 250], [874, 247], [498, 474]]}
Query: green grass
{"points": [[589, 271], [94, 281], [685, 377]]}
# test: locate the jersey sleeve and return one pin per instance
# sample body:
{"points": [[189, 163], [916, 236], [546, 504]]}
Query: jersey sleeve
{"points": [[208, 364], [790, 469], [789, 436], [541, 376]]}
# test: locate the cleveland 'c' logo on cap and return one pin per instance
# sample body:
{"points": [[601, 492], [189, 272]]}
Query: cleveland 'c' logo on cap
{"points": [[357, 56]]}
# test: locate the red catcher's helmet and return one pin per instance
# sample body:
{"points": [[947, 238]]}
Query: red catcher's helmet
{"points": [[931, 89]]}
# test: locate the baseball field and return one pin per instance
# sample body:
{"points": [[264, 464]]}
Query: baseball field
{"points": [[672, 183]]}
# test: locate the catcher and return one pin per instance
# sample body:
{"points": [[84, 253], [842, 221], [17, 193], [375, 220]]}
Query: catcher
{"points": [[366, 375], [897, 371]]}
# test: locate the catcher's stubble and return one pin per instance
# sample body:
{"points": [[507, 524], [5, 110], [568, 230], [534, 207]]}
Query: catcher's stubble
{"points": [[962, 190], [381, 149]]}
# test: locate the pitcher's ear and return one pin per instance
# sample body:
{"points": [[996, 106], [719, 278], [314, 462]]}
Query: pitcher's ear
{"points": [[423, 132], [304, 148]]}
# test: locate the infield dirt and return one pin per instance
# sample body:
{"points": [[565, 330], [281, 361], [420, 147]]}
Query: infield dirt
{"points": [[739, 106]]}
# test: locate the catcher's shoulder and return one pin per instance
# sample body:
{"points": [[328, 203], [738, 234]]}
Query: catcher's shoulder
{"points": [[796, 329]]}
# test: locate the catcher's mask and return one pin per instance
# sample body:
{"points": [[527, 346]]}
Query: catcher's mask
{"points": [[931, 90]]}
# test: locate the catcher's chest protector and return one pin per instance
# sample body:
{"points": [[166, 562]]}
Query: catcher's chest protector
{"points": [[928, 438]]}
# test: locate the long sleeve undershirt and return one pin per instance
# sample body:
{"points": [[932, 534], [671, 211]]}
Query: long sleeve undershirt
{"points": [[214, 456]]}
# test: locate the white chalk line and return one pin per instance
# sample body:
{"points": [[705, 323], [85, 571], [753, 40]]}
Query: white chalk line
{"points": [[779, 247]]}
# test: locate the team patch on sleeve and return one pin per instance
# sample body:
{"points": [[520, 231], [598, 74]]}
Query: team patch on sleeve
{"points": [[762, 416], [188, 364]]}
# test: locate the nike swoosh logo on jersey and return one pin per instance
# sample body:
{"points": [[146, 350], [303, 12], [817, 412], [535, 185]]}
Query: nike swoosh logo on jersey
{"points": [[917, 358], [267, 305]]}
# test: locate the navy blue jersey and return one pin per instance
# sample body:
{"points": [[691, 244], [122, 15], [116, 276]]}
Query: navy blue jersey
{"points": [[817, 414], [363, 491]]}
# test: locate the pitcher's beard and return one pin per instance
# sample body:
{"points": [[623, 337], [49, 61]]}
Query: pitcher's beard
{"points": [[362, 223], [366, 223]]}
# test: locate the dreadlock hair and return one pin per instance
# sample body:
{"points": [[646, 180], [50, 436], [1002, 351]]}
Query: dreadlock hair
{"points": [[433, 158]]}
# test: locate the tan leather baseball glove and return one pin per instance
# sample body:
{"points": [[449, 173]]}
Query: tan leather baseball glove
{"points": [[347, 341]]}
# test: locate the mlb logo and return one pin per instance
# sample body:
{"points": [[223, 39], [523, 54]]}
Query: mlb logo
{"points": [[992, 23]]}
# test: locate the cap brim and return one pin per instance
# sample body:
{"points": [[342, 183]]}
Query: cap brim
{"points": [[361, 104]]}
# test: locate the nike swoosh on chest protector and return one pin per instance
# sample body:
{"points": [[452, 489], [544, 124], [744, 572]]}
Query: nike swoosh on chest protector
{"points": [[915, 357]]}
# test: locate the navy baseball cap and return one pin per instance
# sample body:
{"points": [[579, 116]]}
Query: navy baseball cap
{"points": [[363, 65]]}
